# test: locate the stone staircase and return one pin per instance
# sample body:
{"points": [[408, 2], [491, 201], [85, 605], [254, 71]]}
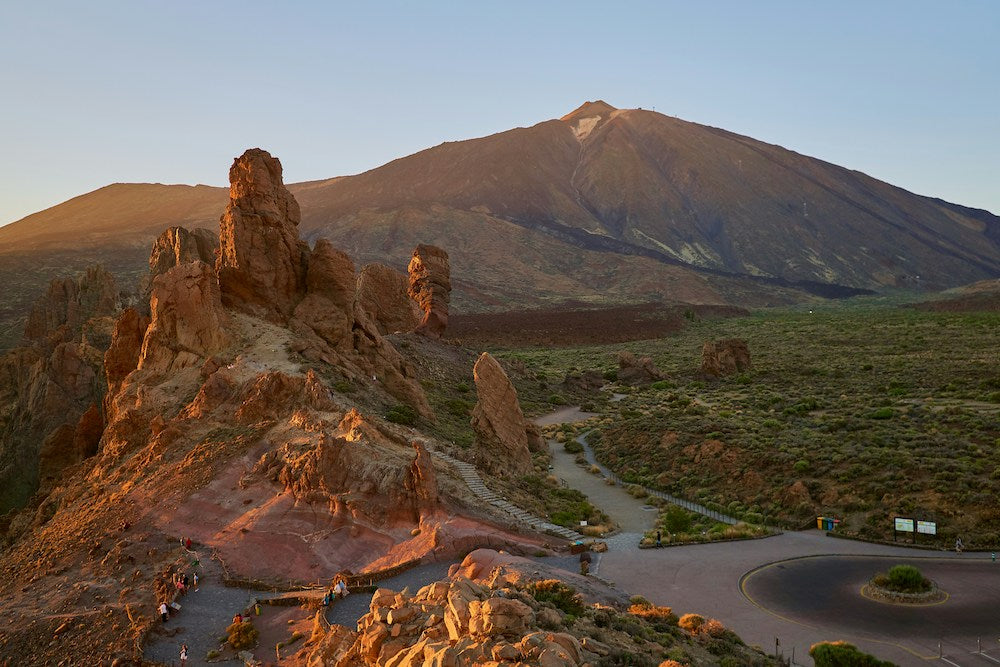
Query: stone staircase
{"points": [[471, 477]]}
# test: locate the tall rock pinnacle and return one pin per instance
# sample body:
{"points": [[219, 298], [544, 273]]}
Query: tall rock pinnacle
{"points": [[261, 264]]}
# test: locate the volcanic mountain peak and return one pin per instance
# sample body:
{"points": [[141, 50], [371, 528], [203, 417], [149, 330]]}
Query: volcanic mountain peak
{"points": [[588, 110], [586, 117]]}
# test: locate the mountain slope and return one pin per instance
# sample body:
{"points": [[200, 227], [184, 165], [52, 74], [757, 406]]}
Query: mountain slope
{"points": [[601, 205]]}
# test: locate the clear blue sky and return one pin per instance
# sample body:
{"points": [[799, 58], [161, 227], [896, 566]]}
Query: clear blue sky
{"points": [[148, 91]]}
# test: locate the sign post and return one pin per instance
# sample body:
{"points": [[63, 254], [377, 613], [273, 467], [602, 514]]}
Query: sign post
{"points": [[903, 525]]}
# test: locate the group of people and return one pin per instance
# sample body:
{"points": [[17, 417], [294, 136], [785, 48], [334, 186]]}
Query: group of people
{"points": [[338, 590], [182, 582]]}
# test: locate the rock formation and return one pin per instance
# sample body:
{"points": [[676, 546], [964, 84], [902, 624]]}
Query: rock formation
{"points": [[68, 304], [382, 295], [495, 609], [501, 430], [50, 389], [177, 245], [187, 322], [430, 287], [637, 370], [262, 263], [725, 357]]}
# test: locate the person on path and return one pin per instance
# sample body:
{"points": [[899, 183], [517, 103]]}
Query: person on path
{"points": [[184, 654], [340, 589], [196, 581], [958, 545], [659, 538], [164, 612]]}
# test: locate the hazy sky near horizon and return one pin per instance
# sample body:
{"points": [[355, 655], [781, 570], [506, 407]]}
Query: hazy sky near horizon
{"points": [[94, 93]]}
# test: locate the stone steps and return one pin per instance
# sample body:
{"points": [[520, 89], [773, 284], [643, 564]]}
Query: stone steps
{"points": [[468, 473]]}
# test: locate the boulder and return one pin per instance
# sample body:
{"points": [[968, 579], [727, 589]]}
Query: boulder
{"points": [[637, 370], [261, 264], [382, 294], [725, 357], [430, 287], [501, 430]]}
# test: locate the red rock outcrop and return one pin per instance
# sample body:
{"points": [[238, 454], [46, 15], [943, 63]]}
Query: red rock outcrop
{"points": [[68, 304], [177, 245], [501, 430], [725, 357], [637, 370], [327, 307], [47, 387], [187, 323], [430, 287], [122, 356], [382, 295], [262, 264]]}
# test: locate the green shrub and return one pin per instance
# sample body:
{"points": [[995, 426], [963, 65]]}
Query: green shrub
{"points": [[842, 654], [562, 596], [881, 413], [462, 387], [343, 386], [402, 414], [801, 466], [557, 399], [458, 407], [907, 579], [242, 636], [610, 375], [573, 447]]}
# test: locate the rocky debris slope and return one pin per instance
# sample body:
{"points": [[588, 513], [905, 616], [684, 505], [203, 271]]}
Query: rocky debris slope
{"points": [[382, 295], [502, 432], [50, 389], [430, 287], [725, 357], [491, 612]]}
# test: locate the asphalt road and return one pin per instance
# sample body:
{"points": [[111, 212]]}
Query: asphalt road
{"points": [[825, 592]]}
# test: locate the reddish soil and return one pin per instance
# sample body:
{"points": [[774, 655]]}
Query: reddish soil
{"points": [[575, 324]]}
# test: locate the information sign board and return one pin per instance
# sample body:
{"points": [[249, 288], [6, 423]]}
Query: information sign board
{"points": [[904, 525], [927, 527]]}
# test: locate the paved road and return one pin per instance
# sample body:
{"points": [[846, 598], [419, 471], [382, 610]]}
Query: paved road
{"points": [[706, 579], [824, 592]]}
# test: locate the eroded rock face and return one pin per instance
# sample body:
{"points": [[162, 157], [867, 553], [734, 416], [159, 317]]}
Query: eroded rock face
{"points": [[430, 287], [48, 386], [177, 245], [187, 321], [725, 357], [328, 303], [382, 295], [262, 263], [68, 304], [122, 356], [501, 430]]}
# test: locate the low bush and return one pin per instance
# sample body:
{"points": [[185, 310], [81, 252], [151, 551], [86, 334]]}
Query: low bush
{"points": [[903, 579], [842, 654], [242, 636], [402, 414], [562, 596]]}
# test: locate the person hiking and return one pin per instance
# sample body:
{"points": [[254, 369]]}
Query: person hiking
{"points": [[659, 538], [184, 654], [958, 545], [164, 612], [196, 581]]}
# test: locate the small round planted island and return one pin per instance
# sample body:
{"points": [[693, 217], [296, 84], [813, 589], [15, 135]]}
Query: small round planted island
{"points": [[903, 584]]}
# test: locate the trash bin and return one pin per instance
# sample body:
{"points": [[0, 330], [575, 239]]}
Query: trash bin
{"points": [[827, 523], [819, 522]]}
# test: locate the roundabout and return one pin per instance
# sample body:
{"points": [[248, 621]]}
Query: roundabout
{"points": [[829, 592]]}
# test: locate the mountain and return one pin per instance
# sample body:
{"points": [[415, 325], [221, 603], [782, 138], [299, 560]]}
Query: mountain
{"points": [[602, 205]]}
